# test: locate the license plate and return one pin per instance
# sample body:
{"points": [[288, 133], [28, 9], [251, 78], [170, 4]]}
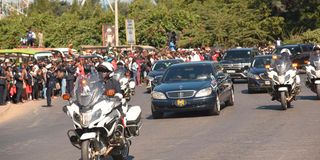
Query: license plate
{"points": [[181, 102], [231, 71], [267, 83]]}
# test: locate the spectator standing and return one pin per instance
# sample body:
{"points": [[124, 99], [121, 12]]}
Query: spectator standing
{"points": [[50, 84], [70, 76], [18, 84], [3, 85]]}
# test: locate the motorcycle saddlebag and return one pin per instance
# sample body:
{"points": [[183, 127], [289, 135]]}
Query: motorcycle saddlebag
{"points": [[134, 120]]}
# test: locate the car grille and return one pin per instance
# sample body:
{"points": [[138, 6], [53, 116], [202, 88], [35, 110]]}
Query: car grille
{"points": [[264, 76], [181, 94]]}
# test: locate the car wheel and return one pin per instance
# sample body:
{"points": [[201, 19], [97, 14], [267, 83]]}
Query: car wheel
{"points": [[230, 102], [156, 114], [216, 108]]}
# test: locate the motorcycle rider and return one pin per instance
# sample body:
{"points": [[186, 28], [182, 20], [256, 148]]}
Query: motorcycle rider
{"points": [[284, 56], [106, 69]]}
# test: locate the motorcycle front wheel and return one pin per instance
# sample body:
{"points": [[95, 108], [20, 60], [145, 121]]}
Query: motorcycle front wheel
{"points": [[123, 152], [283, 100], [87, 151]]}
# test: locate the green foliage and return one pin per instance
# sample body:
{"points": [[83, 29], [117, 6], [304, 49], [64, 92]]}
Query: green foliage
{"points": [[197, 23]]}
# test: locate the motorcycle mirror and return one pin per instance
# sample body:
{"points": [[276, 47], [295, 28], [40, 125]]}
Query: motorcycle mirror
{"points": [[109, 92], [66, 96], [65, 109]]}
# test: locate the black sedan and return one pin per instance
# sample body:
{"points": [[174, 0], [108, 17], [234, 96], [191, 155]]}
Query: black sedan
{"points": [[192, 86], [257, 77], [158, 70]]}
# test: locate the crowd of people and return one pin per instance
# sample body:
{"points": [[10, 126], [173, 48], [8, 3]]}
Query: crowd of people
{"points": [[34, 80]]}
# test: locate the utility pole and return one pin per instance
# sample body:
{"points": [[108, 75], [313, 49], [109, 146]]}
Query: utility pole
{"points": [[116, 27]]}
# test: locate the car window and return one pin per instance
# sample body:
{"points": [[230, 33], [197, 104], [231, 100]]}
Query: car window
{"points": [[260, 62], [231, 55], [188, 73], [163, 65]]}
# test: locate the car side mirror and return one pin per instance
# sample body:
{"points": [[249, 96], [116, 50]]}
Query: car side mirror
{"points": [[221, 76], [157, 80]]}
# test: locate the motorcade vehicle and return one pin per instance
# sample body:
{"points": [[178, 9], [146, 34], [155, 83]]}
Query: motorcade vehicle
{"points": [[158, 69], [103, 123], [127, 84], [258, 80], [285, 81], [192, 86], [300, 53], [63, 53], [313, 73], [237, 61], [25, 55]]}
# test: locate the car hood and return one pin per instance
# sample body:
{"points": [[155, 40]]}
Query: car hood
{"points": [[191, 85], [257, 70], [235, 61], [156, 73]]}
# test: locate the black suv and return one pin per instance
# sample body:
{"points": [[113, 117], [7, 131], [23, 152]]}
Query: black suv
{"points": [[236, 61], [299, 52]]}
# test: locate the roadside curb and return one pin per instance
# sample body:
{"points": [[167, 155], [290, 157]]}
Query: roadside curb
{"points": [[4, 109]]}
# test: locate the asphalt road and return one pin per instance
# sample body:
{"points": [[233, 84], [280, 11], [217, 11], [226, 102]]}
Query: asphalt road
{"points": [[254, 129]]}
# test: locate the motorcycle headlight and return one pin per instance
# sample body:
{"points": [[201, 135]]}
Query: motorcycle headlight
{"points": [[204, 92], [96, 115], [287, 77], [76, 117], [275, 78], [281, 79]]}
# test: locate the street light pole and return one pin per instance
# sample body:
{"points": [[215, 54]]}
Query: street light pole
{"points": [[116, 22]]}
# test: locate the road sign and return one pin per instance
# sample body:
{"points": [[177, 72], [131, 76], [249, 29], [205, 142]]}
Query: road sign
{"points": [[130, 32]]}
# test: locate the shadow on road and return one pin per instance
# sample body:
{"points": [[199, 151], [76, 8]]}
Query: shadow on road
{"points": [[173, 115], [270, 107], [255, 92], [307, 98]]}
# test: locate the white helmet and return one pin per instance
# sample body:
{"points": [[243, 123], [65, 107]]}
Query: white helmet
{"points": [[285, 50], [106, 67]]}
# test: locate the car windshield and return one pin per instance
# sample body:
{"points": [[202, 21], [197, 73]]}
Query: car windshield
{"points": [[163, 65], [88, 90], [233, 55], [261, 62], [293, 49], [188, 73]]}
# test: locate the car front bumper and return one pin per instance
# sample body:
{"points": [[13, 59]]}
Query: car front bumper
{"points": [[259, 84], [191, 104]]}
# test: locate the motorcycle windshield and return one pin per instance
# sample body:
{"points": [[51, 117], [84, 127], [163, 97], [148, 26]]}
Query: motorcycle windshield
{"points": [[282, 65], [119, 74], [88, 90], [315, 60]]}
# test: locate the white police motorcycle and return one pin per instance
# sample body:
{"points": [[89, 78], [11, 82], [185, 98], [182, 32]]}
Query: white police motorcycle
{"points": [[103, 126], [284, 80], [313, 73], [127, 85]]}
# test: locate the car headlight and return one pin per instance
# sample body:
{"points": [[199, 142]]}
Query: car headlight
{"points": [[204, 92], [150, 78], [253, 76], [158, 95]]}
